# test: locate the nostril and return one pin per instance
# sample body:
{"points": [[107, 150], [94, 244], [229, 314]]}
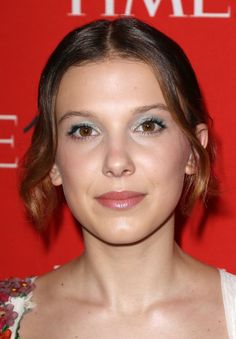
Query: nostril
{"points": [[118, 172], [127, 171]]}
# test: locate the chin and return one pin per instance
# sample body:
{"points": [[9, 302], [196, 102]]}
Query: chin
{"points": [[121, 237]]}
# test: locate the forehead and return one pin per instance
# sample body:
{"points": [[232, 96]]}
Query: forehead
{"points": [[113, 82]]}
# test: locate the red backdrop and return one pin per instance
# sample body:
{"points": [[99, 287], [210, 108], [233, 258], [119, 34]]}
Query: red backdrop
{"points": [[29, 32]]}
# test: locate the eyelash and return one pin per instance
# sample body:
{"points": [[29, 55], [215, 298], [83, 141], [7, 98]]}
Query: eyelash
{"points": [[160, 125], [152, 120], [77, 127]]}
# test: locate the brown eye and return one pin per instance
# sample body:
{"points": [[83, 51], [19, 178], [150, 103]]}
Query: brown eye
{"points": [[85, 131], [151, 126], [148, 126]]}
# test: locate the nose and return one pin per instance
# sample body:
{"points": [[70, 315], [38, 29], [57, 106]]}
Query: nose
{"points": [[117, 161]]}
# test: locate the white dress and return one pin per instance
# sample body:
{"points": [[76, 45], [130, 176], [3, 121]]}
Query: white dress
{"points": [[228, 286], [22, 303]]}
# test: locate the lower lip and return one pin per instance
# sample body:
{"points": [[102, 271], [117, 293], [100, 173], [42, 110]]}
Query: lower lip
{"points": [[121, 204]]}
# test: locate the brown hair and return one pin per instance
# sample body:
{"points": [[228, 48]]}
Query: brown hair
{"points": [[127, 38]]}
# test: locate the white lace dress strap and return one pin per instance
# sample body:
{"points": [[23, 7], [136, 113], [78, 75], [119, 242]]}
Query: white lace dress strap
{"points": [[228, 286], [21, 306], [15, 301]]}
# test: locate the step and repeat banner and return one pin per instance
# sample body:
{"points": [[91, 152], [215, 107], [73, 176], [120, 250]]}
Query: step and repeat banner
{"points": [[29, 31]]}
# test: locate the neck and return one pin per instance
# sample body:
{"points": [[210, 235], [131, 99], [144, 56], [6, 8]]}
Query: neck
{"points": [[131, 276]]}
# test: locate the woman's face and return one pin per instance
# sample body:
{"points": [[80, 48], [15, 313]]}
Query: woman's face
{"points": [[115, 134]]}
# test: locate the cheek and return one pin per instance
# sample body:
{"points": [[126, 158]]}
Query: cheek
{"points": [[165, 166], [167, 157], [79, 169]]}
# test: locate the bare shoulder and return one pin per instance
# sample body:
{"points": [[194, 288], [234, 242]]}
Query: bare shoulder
{"points": [[202, 292], [51, 302], [203, 281]]}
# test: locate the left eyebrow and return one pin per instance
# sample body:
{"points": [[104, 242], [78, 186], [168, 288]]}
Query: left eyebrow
{"points": [[146, 108]]}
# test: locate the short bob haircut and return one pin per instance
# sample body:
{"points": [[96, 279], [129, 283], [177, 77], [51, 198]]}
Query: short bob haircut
{"points": [[127, 38]]}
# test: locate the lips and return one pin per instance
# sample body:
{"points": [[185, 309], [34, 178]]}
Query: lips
{"points": [[120, 200]]}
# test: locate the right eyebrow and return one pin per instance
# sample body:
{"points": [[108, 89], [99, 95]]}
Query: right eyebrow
{"points": [[85, 114]]}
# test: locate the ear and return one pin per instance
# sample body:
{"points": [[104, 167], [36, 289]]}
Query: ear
{"points": [[55, 176], [202, 135]]}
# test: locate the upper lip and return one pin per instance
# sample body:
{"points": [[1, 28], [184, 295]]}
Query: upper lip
{"points": [[115, 195]]}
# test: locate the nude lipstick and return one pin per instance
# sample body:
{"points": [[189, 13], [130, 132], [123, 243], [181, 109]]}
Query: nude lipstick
{"points": [[120, 200]]}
